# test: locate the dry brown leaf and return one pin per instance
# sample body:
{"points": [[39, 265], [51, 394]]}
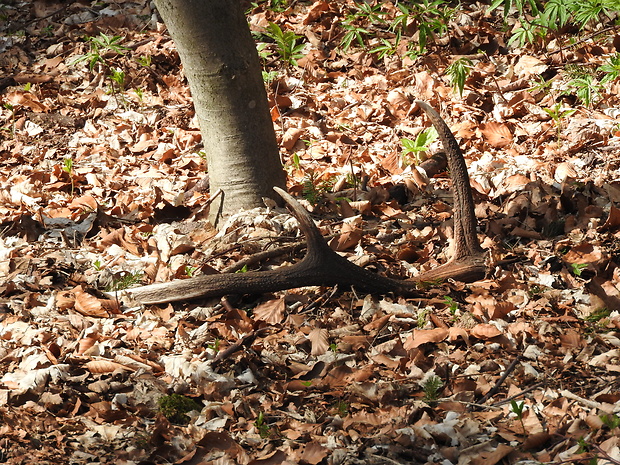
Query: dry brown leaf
{"points": [[86, 343], [271, 312], [423, 336], [89, 305], [496, 134], [319, 339], [313, 453], [105, 366], [485, 331]]}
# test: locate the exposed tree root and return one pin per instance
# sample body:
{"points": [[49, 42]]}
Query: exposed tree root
{"points": [[321, 266]]}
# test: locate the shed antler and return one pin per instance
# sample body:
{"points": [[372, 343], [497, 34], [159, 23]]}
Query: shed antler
{"points": [[323, 267]]}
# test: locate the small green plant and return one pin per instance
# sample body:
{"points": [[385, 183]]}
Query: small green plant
{"points": [[611, 421], [11, 109], [243, 269], [175, 408], [215, 346], [263, 428], [518, 5], [432, 388], [145, 60], [420, 145], [518, 409], [558, 115], [386, 47], [431, 17], [27, 86], [286, 43], [48, 30], [313, 190], [598, 315], [99, 46], [97, 265], [190, 270], [355, 33], [451, 304], [67, 167], [611, 69], [117, 78], [458, 73], [270, 76], [125, 281], [307, 383], [527, 33], [576, 268], [586, 88]]}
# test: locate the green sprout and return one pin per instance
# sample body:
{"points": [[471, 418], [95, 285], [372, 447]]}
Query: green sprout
{"points": [[286, 43], [262, 427], [431, 389], [458, 73], [577, 268], [420, 145]]}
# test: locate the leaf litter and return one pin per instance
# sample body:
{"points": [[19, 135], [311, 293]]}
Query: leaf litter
{"points": [[101, 188]]}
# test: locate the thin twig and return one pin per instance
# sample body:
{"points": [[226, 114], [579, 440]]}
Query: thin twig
{"points": [[501, 380]]}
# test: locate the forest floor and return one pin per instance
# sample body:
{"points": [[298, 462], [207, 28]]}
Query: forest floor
{"points": [[99, 159]]}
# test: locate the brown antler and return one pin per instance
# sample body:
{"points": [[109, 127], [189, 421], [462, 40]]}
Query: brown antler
{"points": [[323, 267]]}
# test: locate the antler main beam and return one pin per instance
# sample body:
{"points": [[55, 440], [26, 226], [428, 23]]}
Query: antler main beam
{"points": [[321, 266]]}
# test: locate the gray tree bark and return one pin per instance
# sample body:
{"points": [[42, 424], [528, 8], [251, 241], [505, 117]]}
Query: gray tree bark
{"points": [[223, 70]]}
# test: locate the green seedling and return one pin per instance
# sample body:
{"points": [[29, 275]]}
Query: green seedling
{"points": [[145, 60], [354, 33], [286, 43], [243, 269], [215, 346], [117, 77], [431, 389], [458, 73], [97, 265], [190, 270], [307, 383], [269, 76], [11, 109], [576, 268], [611, 69], [125, 281], [386, 48], [586, 88], [598, 315], [67, 167], [611, 421], [99, 46], [518, 409], [452, 305], [175, 408], [261, 426], [519, 5], [558, 115], [527, 33], [420, 145], [27, 86]]}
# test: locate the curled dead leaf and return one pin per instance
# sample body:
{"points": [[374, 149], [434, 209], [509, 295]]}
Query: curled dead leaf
{"points": [[485, 331], [105, 366], [319, 338], [423, 336]]}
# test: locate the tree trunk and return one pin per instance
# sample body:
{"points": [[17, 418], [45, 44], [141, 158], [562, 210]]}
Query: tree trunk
{"points": [[223, 70]]}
